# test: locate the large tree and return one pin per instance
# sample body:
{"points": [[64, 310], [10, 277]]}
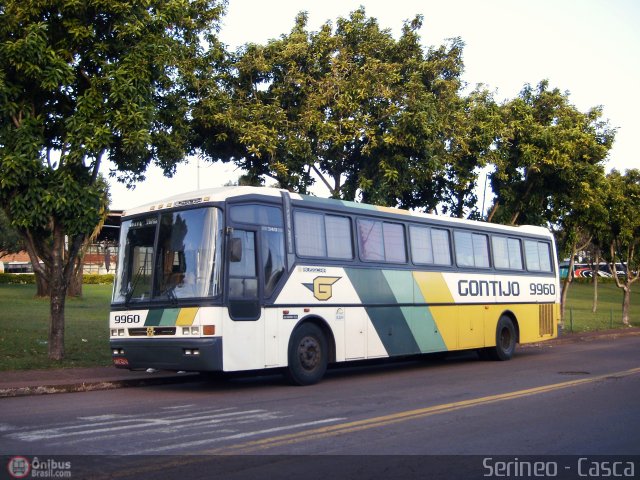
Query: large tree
{"points": [[623, 206], [82, 82], [547, 154], [363, 112], [473, 127]]}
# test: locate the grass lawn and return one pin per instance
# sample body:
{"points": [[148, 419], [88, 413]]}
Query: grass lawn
{"points": [[24, 328], [578, 314], [24, 323]]}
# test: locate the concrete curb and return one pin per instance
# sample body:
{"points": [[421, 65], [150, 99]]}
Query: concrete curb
{"points": [[592, 336], [97, 386]]}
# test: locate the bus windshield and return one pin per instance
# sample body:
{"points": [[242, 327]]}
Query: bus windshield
{"points": [[169, 256]]}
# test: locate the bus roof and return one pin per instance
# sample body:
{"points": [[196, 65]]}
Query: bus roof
{"points": [[220, 194]]}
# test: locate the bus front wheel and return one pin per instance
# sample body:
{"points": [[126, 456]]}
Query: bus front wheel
{"points": [[505, 340], [308, 355]]}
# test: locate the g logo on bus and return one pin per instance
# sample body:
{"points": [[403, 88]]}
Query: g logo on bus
{"points": [[322, 287], [150, 331]]}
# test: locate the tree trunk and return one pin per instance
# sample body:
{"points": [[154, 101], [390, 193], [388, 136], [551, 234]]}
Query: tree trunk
{"points": [[42, 285], [596, 270], [58, 297], [63, 261], [567, 281], [626, 305], [496, 205], [75, 285], [40, 272]]}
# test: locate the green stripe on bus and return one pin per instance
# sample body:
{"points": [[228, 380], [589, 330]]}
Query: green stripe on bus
{"points": [[153, 318], [162, 317], [393, 330], [390, 323], [401, 283], [169, 317], [424, 329], [371, 286], [402, 330]]}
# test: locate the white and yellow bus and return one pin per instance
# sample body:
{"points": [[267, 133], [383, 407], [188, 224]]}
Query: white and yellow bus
{"points": [[245, 278]]}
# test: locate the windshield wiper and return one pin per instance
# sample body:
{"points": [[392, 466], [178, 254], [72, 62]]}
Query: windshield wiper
{"points": [[136, 279], [171, 294]]}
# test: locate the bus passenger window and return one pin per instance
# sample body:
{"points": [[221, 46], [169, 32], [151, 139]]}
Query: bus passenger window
{"points": [[430, 245], [381, 241], [471, 249], [506, 253], [538, 256], [319, 235]]}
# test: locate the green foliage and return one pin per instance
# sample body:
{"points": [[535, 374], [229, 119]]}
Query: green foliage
{"points": [[10, 240], [81, 82], [366, 113], [623, 206], [17, 279], [623, 235], [549, 154], [475, 123], [95, 279]]}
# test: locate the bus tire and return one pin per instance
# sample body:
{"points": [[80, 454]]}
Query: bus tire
{"points": [[505, 340], [308, 355]]}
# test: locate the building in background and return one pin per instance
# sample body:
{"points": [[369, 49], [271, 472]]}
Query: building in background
{"points": [[100, 257]]}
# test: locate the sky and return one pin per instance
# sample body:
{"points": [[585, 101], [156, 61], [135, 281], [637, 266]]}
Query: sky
{"points": [[589, 48]]}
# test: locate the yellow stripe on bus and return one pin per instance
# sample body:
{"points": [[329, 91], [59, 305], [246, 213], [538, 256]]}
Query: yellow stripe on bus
{"points": [[187, 316]]}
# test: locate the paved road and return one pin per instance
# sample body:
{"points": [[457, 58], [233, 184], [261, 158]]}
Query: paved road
{"points": [[573, 399]]}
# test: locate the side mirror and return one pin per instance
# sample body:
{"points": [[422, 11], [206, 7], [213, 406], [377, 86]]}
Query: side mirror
{"points": [[235, 250]]}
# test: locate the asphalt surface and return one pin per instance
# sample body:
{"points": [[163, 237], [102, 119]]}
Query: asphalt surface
{"points": [[40, 382]]}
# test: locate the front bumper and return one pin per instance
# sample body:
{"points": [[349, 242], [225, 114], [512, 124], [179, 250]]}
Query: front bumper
{"points": [[168, 354]]}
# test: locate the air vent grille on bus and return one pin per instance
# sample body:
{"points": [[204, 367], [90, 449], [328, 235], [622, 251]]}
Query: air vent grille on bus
{"points": [[151, 331], [546, 319]]}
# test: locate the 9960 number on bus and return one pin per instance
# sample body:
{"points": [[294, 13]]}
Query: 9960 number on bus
{"points": [[542, 289], [126, 318]]}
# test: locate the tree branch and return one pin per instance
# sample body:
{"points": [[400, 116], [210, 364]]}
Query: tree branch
{"points": [[96, 167], [32, 251], [324, 180], [612, 265], [493, 211]]}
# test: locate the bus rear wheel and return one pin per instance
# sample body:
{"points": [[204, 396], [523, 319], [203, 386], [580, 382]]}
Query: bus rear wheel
{"points": [[505, 340], [308, 355]]}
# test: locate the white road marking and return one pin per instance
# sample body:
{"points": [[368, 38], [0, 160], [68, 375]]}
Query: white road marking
{"points": [[167, 429], [238, 436], [135, 422]]}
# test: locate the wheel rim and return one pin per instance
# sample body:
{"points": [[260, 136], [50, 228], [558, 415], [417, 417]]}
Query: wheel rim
{"points": [[505, 339], [309, 353]]}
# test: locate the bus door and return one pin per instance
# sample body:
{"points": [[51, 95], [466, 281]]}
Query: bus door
{"points": [[256, 270], [272, 270]]}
